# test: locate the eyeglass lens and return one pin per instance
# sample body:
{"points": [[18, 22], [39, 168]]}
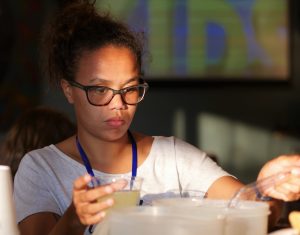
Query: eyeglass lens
{"points": [[103, 95]]}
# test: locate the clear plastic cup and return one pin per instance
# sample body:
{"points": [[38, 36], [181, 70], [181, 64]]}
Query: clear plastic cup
{"points": [[8, 223], [128, 193]]}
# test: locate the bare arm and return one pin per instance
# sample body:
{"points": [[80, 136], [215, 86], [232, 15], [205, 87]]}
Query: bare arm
{"points": [[224, 188], [50, 224]]}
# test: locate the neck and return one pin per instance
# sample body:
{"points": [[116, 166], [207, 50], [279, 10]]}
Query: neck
{"points": [[108, 156]]}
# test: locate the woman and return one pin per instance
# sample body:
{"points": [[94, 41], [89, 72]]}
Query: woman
{"points": [[98, 63]]}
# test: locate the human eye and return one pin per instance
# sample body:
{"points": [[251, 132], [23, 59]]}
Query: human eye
{"points": [[131, 89], [99, 90]]}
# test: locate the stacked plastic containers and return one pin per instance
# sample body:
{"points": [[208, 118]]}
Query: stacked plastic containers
{"points": [[189, 216]]}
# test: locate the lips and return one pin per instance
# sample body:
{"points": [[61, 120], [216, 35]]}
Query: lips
{"points": [[115, 122]]}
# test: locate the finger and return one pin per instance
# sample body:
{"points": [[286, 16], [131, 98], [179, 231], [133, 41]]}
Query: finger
{"points": [[94, 212], [94, 208], [93, 219], [293, 188], [276, 194], [294, 179], [296, 172], [92, 195], [291, 184], [289, 160], [292, 191], [82, 182], [283, 192]]}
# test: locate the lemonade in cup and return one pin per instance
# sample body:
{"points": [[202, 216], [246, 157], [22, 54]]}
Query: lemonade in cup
{"points": [[128, 193]]}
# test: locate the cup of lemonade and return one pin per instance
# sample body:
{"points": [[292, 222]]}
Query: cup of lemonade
{"points": [[129, 193]]}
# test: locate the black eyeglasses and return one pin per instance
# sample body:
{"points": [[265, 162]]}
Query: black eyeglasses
{"points": [[102, 95]]}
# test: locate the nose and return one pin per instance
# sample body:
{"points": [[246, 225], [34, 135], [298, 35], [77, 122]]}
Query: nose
{"points": [[117, 102]]}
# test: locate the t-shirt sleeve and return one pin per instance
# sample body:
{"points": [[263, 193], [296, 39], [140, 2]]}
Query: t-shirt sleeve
{"points": [[31, 194], [196, 171]]}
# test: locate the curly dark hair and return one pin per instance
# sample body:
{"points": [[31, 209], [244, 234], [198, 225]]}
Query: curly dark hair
{"points": [[79, 27]]}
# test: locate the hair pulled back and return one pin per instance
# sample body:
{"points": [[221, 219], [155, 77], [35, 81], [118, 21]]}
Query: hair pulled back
{"points": [[79, 28]]}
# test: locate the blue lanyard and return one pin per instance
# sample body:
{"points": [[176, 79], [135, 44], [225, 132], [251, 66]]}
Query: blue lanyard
{"points": [[134, 154], [88, 166]]}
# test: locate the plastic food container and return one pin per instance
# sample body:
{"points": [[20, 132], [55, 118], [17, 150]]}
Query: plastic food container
{"points": [[182, 216], [164, 221], [153, 220], [247, 218]]}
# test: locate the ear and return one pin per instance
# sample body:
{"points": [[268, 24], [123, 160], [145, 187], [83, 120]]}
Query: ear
{"points": [[67, 89]]}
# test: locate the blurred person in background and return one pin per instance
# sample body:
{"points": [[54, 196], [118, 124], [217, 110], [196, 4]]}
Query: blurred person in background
{"points": [[36, 128]]}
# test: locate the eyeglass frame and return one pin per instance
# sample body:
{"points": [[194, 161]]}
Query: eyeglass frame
{"points": [[122, 91]]}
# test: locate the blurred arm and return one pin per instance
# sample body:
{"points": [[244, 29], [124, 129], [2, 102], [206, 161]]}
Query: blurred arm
{"points": [[48, 223]]}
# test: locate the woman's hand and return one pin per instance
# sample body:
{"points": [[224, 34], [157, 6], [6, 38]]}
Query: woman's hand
{"points": [[287, 185], [87, 201]]}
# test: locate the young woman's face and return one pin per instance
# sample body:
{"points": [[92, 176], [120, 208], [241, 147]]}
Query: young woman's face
{"points": [[113, 67]]}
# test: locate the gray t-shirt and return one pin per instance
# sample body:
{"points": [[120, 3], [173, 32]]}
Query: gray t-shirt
{"points": [[45, 177]]}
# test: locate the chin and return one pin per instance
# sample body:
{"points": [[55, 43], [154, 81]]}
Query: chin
{"points": [[116, 135]]}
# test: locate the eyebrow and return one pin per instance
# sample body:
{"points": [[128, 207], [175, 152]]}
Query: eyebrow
{"points": [[136, 78], [133, 79]]}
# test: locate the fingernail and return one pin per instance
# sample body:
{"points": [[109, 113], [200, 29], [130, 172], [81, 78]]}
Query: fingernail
{"points": [[87, 177], [296, 171], [108, 189], [110, 202], [102, 214]]}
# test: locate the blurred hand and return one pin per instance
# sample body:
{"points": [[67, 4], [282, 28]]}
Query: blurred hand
{"points": [[91, 203], [287, 186]]}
